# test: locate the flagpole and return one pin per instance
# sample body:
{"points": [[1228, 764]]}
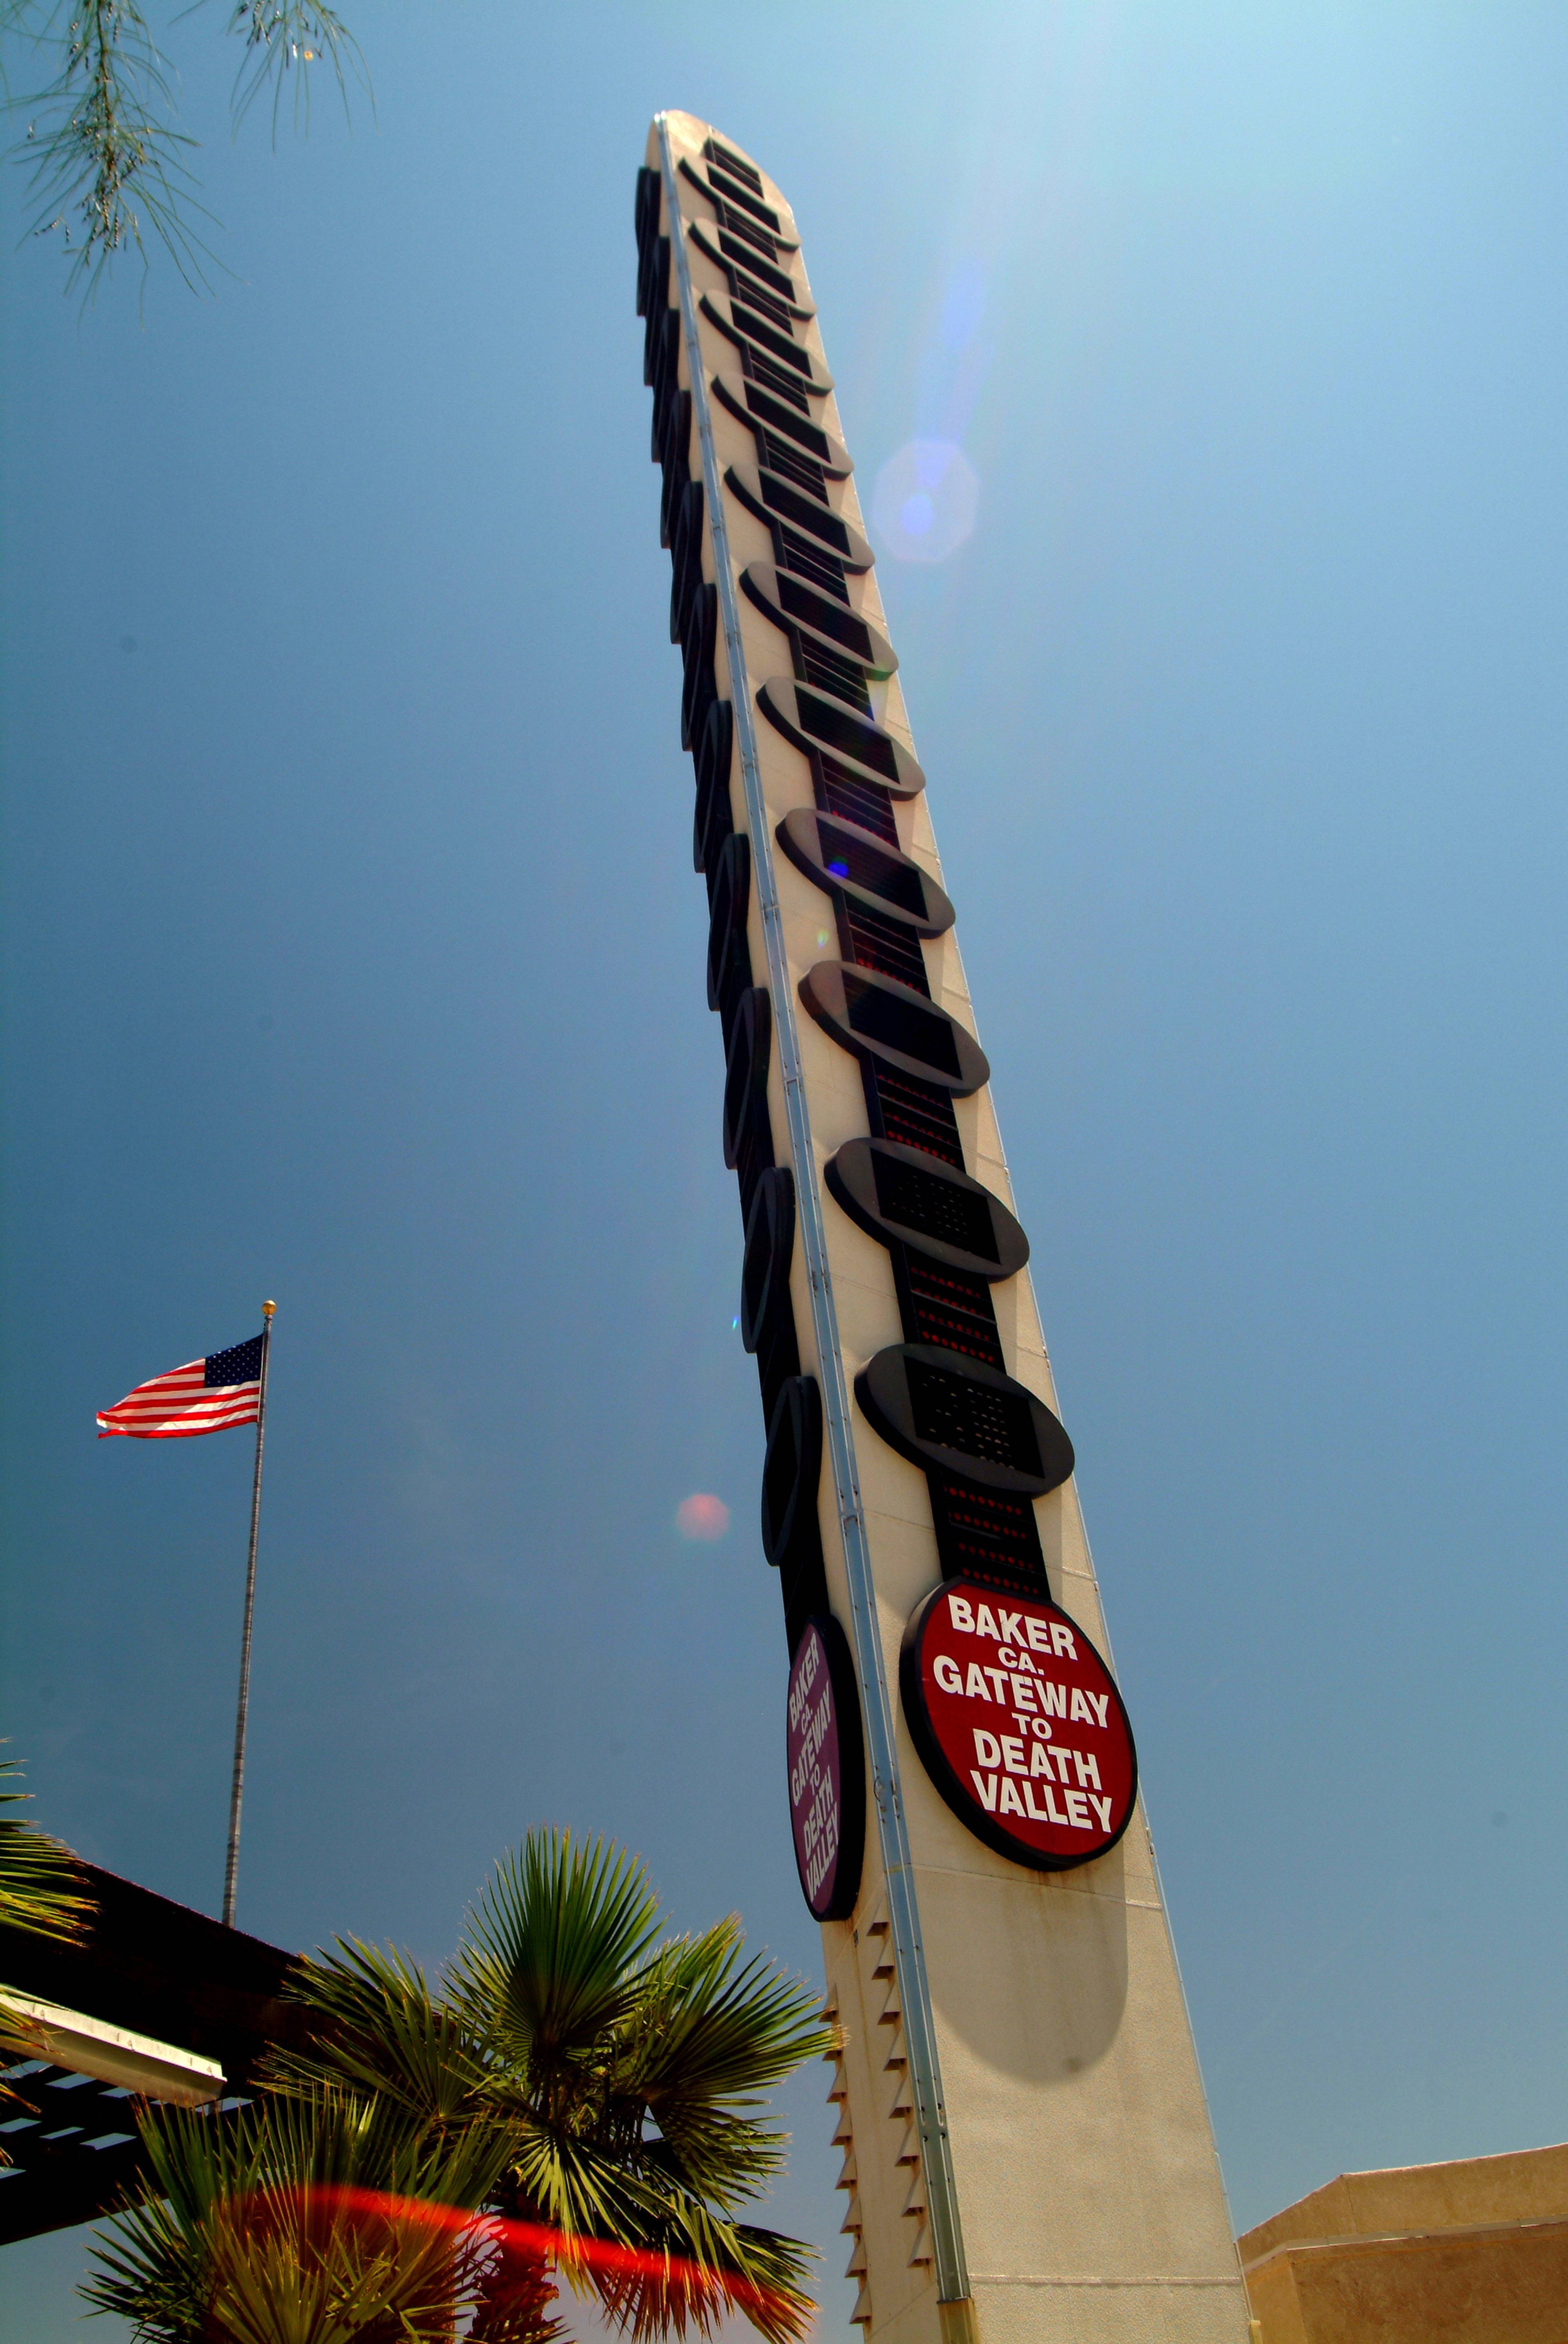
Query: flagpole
{"points": [[231, 1874]]}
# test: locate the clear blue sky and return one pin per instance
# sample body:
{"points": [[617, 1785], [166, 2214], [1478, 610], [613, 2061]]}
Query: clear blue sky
{"points": [[352, 954]]}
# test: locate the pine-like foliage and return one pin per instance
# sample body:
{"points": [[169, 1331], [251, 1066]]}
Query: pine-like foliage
{"points": [[108, 168]]}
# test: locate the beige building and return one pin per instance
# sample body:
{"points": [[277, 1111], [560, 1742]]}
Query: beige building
{"points": [[1475, 2252], [1026, 2149]]}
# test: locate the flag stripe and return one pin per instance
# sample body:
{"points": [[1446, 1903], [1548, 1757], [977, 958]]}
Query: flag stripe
{"points": [[180, 1404]]}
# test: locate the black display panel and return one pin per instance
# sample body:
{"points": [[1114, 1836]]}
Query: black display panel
{"points": [[845, 861], [947, 1413], [903, 1196], [876, 1017], [824, 725]]}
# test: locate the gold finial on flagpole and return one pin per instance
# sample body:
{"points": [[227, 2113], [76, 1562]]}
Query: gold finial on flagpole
{"points": [[267, 1308]]}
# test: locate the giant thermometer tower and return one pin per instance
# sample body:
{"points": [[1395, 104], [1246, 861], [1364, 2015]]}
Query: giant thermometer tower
{"points": [[1025, 2148]]}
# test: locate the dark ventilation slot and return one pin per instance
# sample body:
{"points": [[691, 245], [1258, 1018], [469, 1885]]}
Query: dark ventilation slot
{"points": [[776, 282], [782, 458], [861, 803], [951, 1309], [934, 1208], [652, 295], [748, 1134], [664, 435], [767, 1316], [731, 976], [984, 1534], [782, 345], [923, 1035], [774, 377], [778, 1359], [728, 958], [753, 1155], [673, 452], [769, 1253], [696, 647], [749, 289], [647, 215], [733, 192], [812, 561], [713, 152], [767, 410], [791, 1476], [712, 821], [857, 861], [738, 225], [888, 945], [796, 602], [748, 1051], [836, 730], [817, 519], [685, 557], [951, 1413], [666, 373], [830, 673], [916, 1114]]}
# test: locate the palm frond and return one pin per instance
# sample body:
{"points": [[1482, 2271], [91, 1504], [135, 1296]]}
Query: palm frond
{"points": [[715, 2028], [547, 1964], [41, 1885], [696, 2271], [601, 2094], [722, 2158], [381, 2030], [582, 2188], [41, 1891], [311, 2220], [709, 2037]]}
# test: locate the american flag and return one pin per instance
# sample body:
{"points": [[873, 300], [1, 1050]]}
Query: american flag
{"points": [[203, 1396]]}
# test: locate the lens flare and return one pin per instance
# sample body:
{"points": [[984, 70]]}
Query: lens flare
{"points": [[702, 1516], [925, 499], [688, 2293]]}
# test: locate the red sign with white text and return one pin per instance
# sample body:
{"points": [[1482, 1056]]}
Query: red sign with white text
{"points": [[1019, 1725]]}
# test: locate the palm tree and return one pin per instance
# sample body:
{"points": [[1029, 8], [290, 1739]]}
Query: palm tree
{"points": [[41, 1886], [41, 1891], [598, 2091], [303, 2219]]}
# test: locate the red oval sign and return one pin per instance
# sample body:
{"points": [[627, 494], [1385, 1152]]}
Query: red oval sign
{"points": [[1019, 1725], [827, 1769]]}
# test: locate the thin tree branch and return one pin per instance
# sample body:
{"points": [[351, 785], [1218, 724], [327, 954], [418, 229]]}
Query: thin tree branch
{"points": [[108, 170]]}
